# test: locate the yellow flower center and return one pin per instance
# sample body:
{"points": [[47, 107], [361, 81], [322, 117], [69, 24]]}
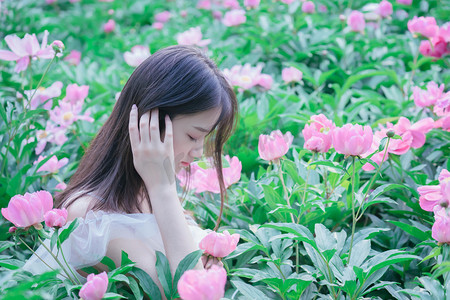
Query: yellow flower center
{"points": [[68, 116]]}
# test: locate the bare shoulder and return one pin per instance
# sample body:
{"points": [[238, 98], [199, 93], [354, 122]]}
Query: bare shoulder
{"points": [[79, 207]]}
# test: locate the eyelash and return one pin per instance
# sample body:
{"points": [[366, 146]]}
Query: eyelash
{"points": [[192, 139]]}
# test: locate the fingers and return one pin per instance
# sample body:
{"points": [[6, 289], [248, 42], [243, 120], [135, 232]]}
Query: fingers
{"points": [[168, 138], [143, 128], [133, 126], [154, 126]]}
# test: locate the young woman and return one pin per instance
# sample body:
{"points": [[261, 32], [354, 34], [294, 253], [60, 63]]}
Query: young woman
{"points": [[124, 190]]}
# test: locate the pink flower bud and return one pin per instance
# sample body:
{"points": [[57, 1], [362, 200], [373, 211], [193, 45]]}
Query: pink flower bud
{"points": [[251, 3], [385, 9], [234, 17], [73, 58], [356, 21], [203, 284], [219, 244], [265, 80], [158, 25], [441, 227], [163, 17], [109, 26], [308, 7], [272, 147], [12, 229], [318, 134], [56, 217], [58, 46], [291, 74], [352, 139], [183, 13], [95, 287]]}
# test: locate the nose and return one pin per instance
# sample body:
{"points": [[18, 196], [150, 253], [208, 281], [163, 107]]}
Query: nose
{"points": [[197, 151]]}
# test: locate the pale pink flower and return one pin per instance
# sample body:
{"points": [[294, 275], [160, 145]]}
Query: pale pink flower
{"points": [[52, 165], [73, 58], [109, 26], [435, 47], [291, 74], [58, 47], [110, 12], [193, 36], [405, 2], [323, 8], [308, 7], [183, 13], [95, 287], [425, 98], [22, 50], [356, 21], [56, 217], [217, 14], [66, 113], [444, 32], [251, 3], [231, 4], [44, 95], [204, 4], [158, 25], [61, 186], [318, 134], [272, 147], [163, 17], [219, 244], [444, 183], [137, 55], [430, 196], [417, 130], [266, 81], [75, 93], [441, 227], [234, 17], [443, 123], [425, 26], [29, 209], [203, 284], [352, 139], [385, 9], [51, 134], [443, 105]]}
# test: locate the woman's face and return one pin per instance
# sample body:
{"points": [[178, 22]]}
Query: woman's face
{"points": [[189, 132]]}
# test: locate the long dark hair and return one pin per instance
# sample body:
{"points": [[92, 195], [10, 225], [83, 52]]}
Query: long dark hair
{"points": [[177, 80]]}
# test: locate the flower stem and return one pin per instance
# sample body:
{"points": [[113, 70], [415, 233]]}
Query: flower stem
{"points": [[306, 185], [286, 196], [40, 81], [64, 258], [353, 210]]}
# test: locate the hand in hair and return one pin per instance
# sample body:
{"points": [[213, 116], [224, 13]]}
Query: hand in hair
{"points": [[152, 158]]}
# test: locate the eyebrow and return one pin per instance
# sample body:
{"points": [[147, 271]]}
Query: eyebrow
{"points": [[201, 129]]}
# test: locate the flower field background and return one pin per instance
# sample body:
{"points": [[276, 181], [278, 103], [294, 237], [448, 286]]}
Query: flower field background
{"points": [[337, 171]]}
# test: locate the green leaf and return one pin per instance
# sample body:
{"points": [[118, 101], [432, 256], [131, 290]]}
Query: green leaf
{"points": [[108, 262], [54, 239], [413, 230], [147, 284], [120, 277], [5, 245], [164, 275], [302, 233], [135, 289], [360, 252], [248, 290], [11, 263], [66, 232], [324, 239], [186, 263], [113, 296]]}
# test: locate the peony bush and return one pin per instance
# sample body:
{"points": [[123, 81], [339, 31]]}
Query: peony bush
{"points": [[337, 174]]}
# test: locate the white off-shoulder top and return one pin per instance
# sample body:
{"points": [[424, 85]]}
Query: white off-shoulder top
{"points": [[88, 243]]}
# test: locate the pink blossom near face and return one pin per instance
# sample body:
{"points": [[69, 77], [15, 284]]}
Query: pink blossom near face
{"points": [[22, 50], [203, 284], [163, 17], [425, 26], [73, 58], [308, 7], [252, 3], [52, 165], [356, 21], [246, 77], [61, 186], [193, 36], [219, 244], [43, 96], [234, 17], [352, 139], [56, 217], [385, 9], [76, 93], [137, 55], [274, 146], [29, 209], [95, 287], [291, 74], [318, 134], [109, 26], [441, 227]]}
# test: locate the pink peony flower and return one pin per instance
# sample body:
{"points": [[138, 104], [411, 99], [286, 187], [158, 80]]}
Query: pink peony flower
{"points": [[443, 123], [204, 4], [29, 209], [66, 113], [430, 196], [251, 3], [417, 130], [318, 134], [137, 55], [308, 7], [231, 4], [219, 244], [246, 77], [95, 287], [272, 147], [206, 179], [265, 80], [323, 8], [51, 134], [425, 26], [61, 186], [234, 17], [73, 58], [193, 36], [183, 13], [22, 50], [52, 165], [158, 25], [203, 284], [429, 97], [405, 2], [385, 9], [109, 26], [291, 74], [163, 17], [356, 21], [441, 227], [43, 96], [217, 14], [444, 183], [444, 32], [352, 139], [436, 47], [56, 217], [75, 93]]}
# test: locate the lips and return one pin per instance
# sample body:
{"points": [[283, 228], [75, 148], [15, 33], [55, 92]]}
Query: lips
{"points": [[185, 164]]}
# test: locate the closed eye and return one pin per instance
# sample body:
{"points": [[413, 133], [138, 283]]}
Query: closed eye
{"points": [[192, 139]]}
